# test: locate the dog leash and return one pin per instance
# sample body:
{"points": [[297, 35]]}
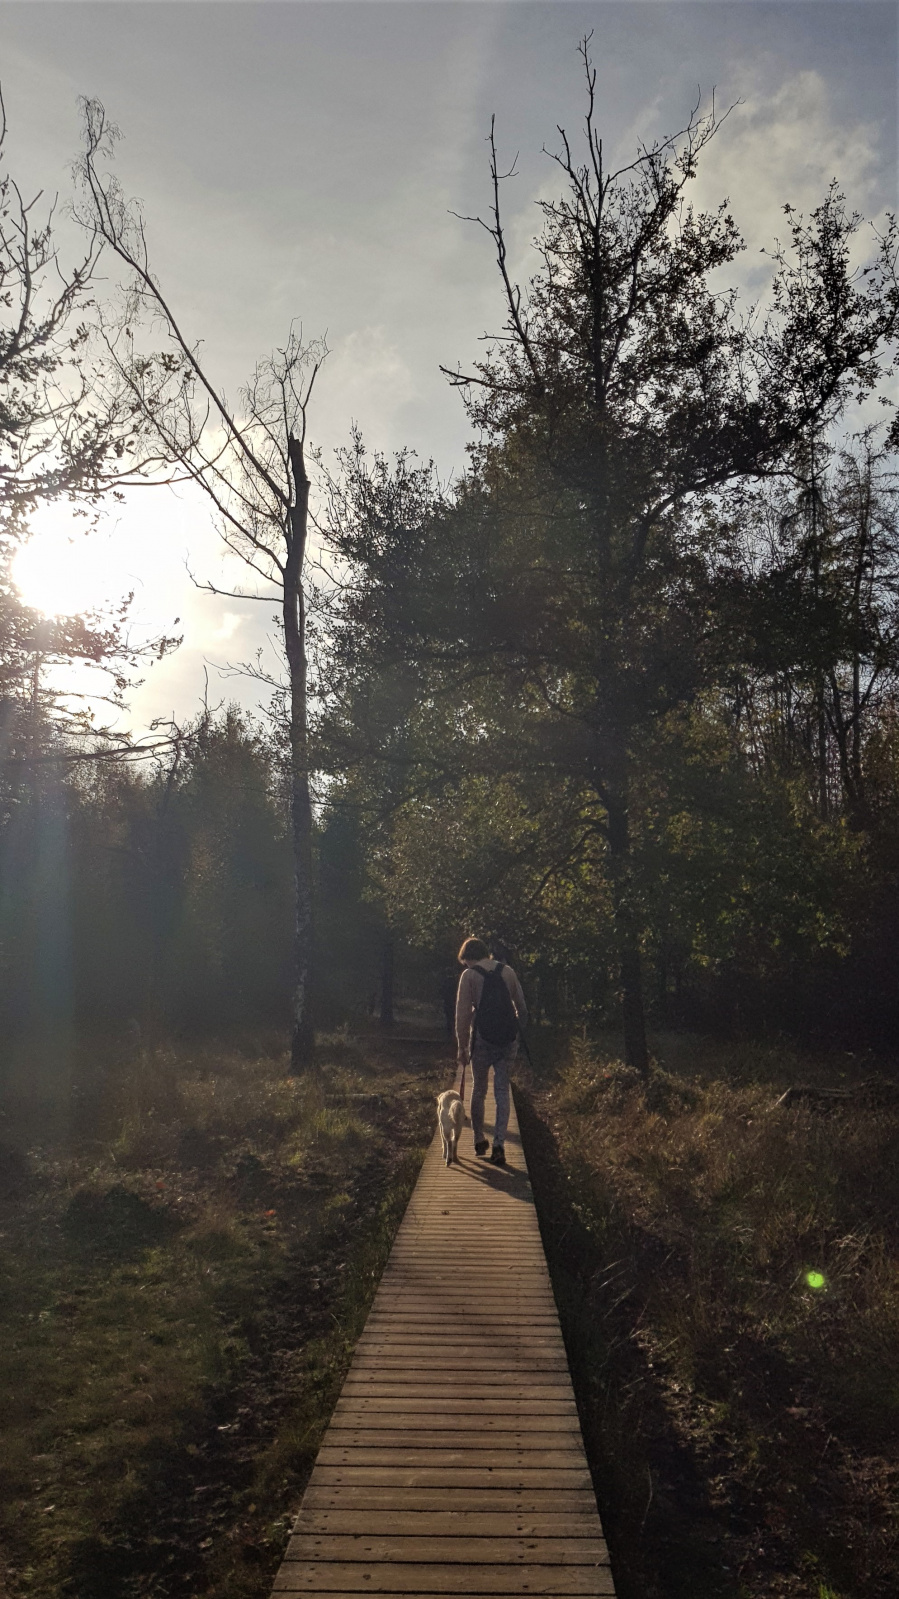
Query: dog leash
{"points": [[462, 1084]]}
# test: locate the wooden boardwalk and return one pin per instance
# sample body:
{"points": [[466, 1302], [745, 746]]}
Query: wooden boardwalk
{"points": [[454, 1463]]}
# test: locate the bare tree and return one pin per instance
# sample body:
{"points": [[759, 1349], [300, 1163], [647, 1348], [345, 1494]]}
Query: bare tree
{"points": [[248, 459]]}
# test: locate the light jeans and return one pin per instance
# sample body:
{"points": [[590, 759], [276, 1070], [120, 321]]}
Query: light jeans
{"points": [[501, 1058]]}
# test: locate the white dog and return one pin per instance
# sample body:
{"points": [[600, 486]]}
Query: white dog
{"points": [[450, 1120]]}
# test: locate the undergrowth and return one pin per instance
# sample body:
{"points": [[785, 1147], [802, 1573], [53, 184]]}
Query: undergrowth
{"points": [[190, 1242], [728, 1275]]}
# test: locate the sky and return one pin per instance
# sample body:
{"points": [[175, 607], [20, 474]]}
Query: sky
{"points": [[301, 160]]}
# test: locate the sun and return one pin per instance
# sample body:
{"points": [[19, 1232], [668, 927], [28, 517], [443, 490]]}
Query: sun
{"points": [[69, 565]]}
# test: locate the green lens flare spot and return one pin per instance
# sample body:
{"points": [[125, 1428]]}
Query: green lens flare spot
{"points": [[815, 1279]]}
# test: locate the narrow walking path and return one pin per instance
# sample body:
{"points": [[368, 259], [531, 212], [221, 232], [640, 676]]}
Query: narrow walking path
{"points": [[453, 1463]]}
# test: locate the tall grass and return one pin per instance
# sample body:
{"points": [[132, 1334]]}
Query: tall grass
{"points": [[190, 1240], [730, 1281]]}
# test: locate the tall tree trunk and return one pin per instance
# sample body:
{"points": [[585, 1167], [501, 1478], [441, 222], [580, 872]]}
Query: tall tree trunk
{"points": [[388, 964], [294, 614], [159, 894], [823, 805], [630, 962]]}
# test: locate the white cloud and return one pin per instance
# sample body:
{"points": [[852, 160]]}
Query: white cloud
{"points": [[784, 146], [365, 378], [228, 626]]}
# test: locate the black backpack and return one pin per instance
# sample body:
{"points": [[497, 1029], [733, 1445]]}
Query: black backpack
{"points": [[495, 1017]]}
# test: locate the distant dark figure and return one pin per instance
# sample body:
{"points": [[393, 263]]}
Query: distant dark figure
{"points": [[490, 1014]]}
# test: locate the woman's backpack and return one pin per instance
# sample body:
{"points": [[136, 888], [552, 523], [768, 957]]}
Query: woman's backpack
{"points": [[495, 1018]]}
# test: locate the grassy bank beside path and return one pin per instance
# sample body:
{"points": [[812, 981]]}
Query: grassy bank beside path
{"points": [[728, 1279], [189, 1242]]}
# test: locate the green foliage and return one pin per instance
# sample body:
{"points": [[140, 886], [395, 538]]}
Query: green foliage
{"points": [[609, 698]]}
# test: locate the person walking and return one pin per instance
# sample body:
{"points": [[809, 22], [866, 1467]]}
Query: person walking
{"points": [[490, 1012]]}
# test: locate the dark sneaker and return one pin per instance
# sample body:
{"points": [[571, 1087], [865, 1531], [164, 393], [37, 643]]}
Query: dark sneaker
{"points": [[498, 1157], [482, 1147]]}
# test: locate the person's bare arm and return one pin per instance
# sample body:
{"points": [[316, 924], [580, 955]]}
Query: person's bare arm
{"points": [[518, 999], [464, 1013]]}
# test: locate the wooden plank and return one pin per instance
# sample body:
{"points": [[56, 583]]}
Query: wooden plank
{"points": [[503, 1247], [518, 1295], [453, 1329], [402, 1404], [516, 1298], [604, 1587], [462, 1357], [512, 1308], [513, 1305], [510, 1349], [476, 1416], [520, 1289], [435, 1234], [415, 1425], [450, 1500], [489, 1289], [520, 1284], [481, 1329], [443, 1271], [461, 1335], [434, 1523], [456, 1400], [511, 1336], [490, 1372], [465, 1334], [406, 1361], [503, 1236], [487, 1295], [526, 1371], [301, 1576], [468, 1390], [460, 1450], [483, 1476], [458, 1550], [421, 1308], [448, 1379], [497, 1432]]}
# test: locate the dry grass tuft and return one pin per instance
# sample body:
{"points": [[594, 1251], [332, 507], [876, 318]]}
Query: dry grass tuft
{"points": [[188, 1246], [741, 1265]]}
